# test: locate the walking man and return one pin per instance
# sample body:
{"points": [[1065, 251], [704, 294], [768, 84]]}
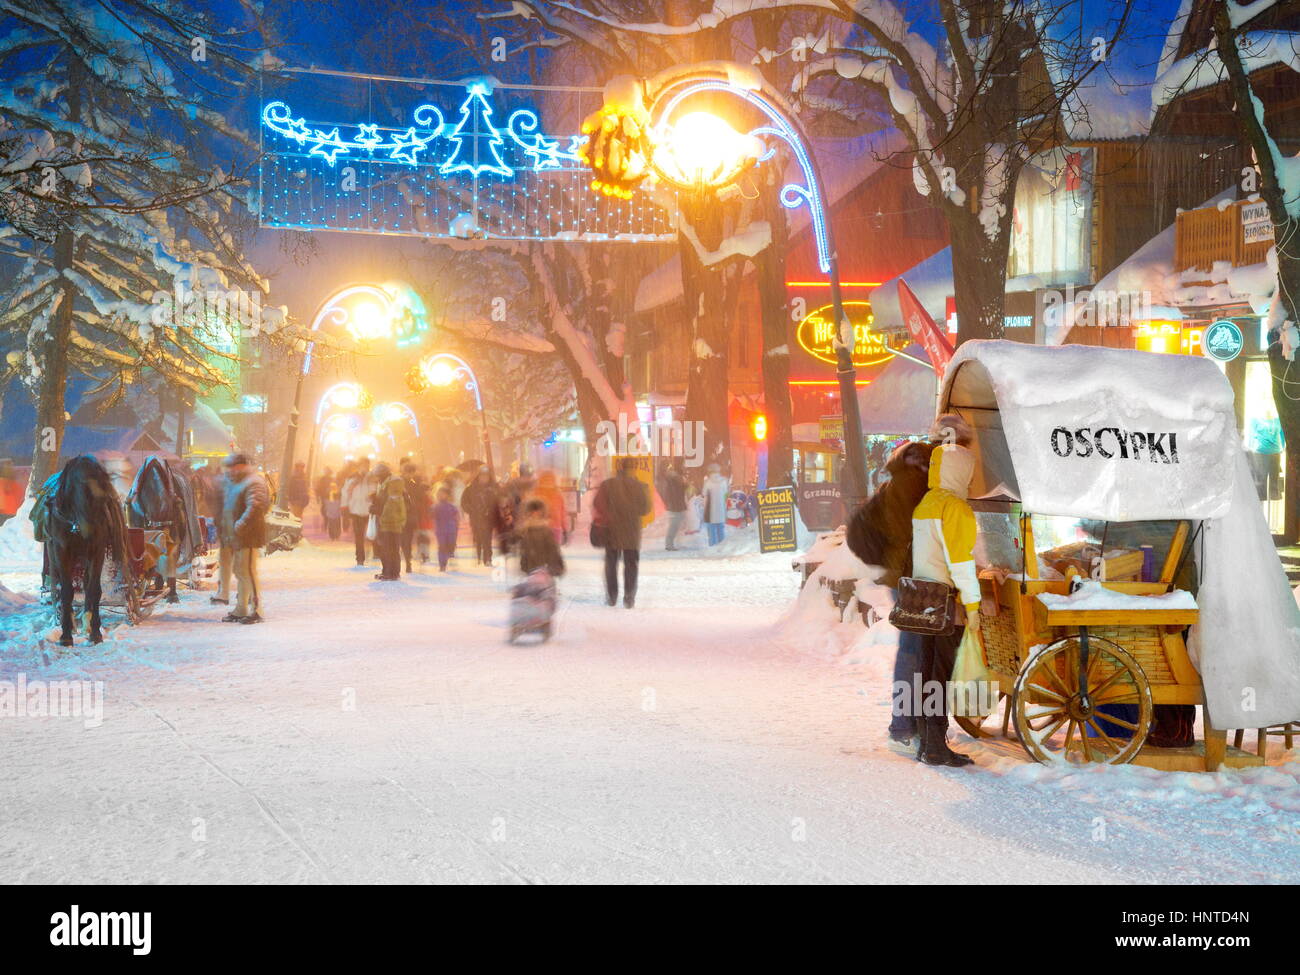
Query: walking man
{"points": [[243, 529], [621, 502]]}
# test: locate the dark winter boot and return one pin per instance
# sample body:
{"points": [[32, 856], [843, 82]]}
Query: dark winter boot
{"points": [[934, 744]]}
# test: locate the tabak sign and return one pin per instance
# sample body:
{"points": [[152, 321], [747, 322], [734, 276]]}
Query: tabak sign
{"points": [[817, 332]]}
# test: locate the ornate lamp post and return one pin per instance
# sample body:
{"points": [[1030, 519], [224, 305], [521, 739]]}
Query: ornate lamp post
{"points": [[367, 311], [641, 128], [446, 368]]}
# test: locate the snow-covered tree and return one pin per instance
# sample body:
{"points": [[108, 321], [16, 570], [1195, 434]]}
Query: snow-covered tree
{"points": [[975, 88], [615, 37], [1236, 52], [117, 188]]}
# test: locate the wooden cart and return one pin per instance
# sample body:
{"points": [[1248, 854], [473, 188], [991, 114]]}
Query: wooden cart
{"points": [[1060, 671]]}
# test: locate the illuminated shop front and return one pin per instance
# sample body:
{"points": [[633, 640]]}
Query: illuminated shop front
{"points": [[814, 389], [1235, 338]]}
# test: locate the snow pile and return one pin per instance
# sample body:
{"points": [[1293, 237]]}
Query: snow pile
{"points": [[1249, 793], [19, 549], [813, 625], [1093, 595]]}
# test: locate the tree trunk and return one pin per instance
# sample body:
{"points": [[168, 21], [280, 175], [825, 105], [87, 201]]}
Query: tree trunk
{"points": [[704, 291], [773, 296], [979, 275], [51, 409]]}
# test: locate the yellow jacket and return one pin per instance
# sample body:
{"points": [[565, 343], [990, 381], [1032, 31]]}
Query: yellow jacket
{"points": [[943, 526]]}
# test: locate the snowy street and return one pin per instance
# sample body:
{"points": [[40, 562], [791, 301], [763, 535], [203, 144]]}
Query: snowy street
{"points": [[371, 732]]}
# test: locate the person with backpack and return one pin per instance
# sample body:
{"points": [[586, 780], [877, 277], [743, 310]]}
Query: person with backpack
{"points": [[389, 507]]}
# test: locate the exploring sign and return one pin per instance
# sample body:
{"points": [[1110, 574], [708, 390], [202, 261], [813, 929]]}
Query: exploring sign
{"points": [[776, 520]]}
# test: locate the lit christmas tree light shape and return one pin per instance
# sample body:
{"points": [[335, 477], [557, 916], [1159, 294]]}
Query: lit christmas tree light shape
{"points": [[476, 107]]}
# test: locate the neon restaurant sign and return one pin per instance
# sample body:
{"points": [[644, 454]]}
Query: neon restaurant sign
{"points": [[435, 159], [816, 335]]}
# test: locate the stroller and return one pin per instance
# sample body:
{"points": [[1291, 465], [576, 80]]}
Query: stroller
{"points": [[532, 605]]}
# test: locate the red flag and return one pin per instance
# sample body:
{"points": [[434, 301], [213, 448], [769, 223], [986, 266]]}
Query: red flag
{"points": [[923, 329]]}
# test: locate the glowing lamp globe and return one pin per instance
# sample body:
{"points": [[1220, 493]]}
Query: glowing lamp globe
{"points": [[368, 322], [439, 372], [701, 150]]}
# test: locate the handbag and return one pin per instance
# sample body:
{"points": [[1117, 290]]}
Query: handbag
{"points": [[372, 528], [925, 607], [599, 535]]}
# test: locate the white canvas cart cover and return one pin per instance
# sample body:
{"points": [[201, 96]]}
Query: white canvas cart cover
{"points": [[1118, 435]]}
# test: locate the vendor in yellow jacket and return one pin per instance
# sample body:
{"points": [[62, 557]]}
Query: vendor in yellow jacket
{"points": [[943, 546]]}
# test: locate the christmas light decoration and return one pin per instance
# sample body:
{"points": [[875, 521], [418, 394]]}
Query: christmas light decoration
{"points": [[476, 110], [428, 175]]}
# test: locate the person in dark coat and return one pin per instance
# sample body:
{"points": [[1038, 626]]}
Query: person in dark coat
{"points": [[416, 501], [880, 533], [621, 502], [673, 491], [446, 526], [479, 501], [297, 493], [538, 548], [245, 502]]}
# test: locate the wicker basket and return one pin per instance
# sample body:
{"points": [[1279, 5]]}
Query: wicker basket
{"points": [[1142, 642], [1001, 639]]}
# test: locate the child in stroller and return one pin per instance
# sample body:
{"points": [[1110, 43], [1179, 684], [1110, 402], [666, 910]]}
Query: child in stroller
{"points": [[532, 602]]}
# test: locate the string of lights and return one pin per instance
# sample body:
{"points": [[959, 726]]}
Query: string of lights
{"points": [[471, 178]]}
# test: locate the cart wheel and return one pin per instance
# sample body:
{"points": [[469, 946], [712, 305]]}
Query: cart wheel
{"points": [[1048, 700], [984, 727]]}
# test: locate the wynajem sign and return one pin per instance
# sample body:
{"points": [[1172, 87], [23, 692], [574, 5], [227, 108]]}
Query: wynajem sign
{"points": [[816, 335], [467, 159]]}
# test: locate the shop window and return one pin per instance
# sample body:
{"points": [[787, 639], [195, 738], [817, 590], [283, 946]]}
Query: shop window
{"points": [[1051, 223]]}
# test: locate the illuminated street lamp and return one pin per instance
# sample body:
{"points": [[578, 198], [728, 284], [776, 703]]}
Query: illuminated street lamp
{"points": [[445, 369], [367, 311], [340, 396], [641, 129]]}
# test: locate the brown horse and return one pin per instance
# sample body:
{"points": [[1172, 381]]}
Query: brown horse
{"points": [[84, 525]]}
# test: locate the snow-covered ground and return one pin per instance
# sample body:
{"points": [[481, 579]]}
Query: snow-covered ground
{"points": [[386, 732]]}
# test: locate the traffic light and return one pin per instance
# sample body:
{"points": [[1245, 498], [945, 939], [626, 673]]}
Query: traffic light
{"points": [[758, 427]]}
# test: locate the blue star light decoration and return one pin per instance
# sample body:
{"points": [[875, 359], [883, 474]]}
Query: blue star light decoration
{"points": [[476, 143]]}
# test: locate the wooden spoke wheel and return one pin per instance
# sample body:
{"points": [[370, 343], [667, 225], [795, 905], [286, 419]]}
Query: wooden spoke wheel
{"points": [[987, 726], [1057, 701]]}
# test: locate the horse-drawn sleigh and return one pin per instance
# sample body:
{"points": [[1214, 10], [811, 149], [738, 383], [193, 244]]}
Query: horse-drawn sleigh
{"points": [[122, 556]]}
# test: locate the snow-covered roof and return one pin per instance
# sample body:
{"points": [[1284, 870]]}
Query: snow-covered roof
{"points": [[1106, 108], [1204, 69], [931, 282]]}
